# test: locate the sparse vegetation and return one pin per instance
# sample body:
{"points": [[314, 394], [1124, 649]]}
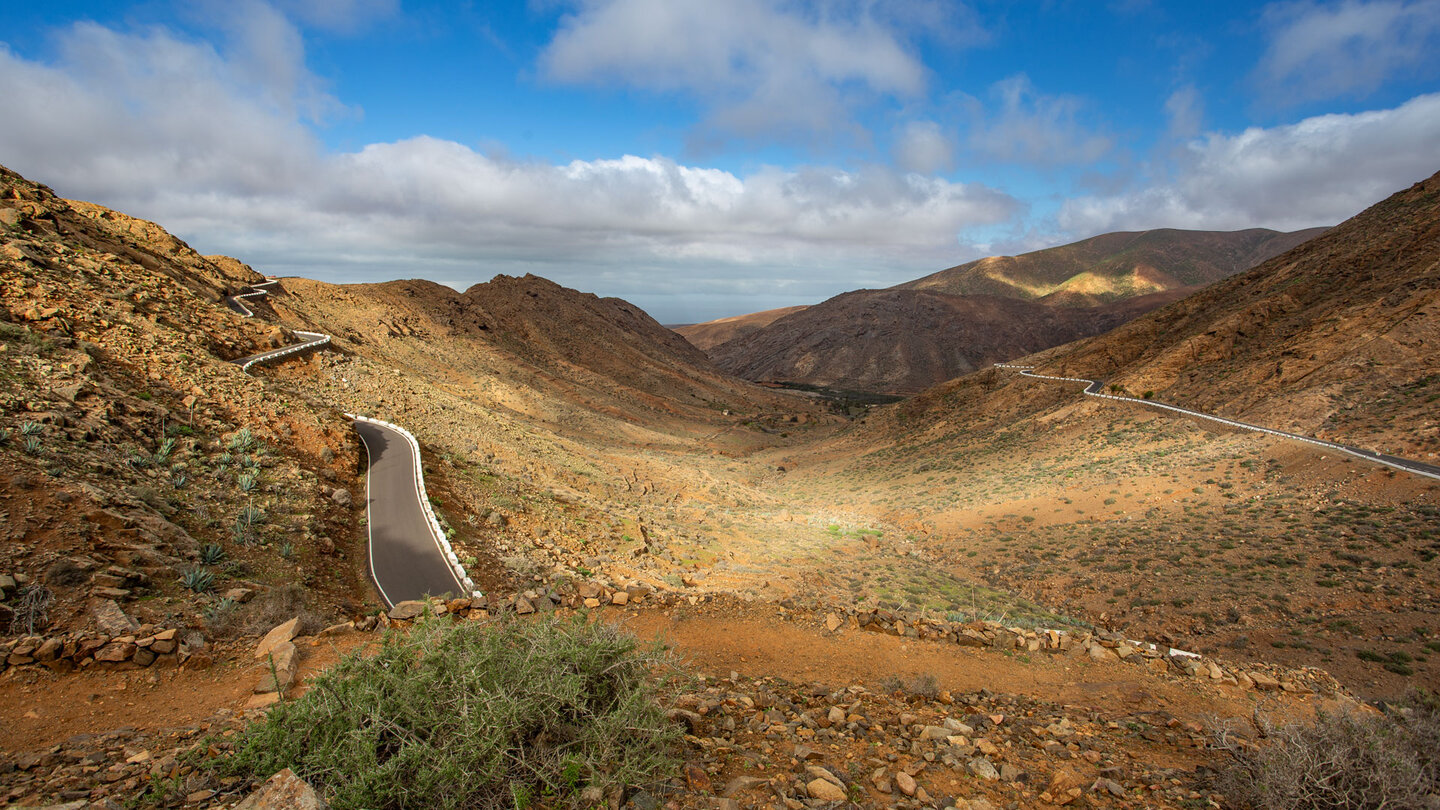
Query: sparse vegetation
{"points": [[198, 579], [1343, 760], [473, 715]]}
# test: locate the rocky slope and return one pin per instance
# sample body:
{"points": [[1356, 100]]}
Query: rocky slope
{"points": [[1114, 266], [904, 341], [1337, 337], [708, 335], [129, 445]]}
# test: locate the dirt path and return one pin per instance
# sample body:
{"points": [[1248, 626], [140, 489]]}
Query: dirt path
{"points": [[39, 709], [757, 643]]}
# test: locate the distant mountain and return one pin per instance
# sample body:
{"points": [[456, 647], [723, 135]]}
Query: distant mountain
{"points": [[708, 335], [903, 341], [1114, 266], [915, 335]]}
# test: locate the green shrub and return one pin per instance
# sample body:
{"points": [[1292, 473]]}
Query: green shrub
{"points": [[461, 715], [1343, 760]]}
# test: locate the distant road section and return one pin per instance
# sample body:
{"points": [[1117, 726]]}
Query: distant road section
{"points": [[406, 560], [1093, 388]]}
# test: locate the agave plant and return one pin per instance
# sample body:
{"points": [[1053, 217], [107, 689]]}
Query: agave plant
{"points": [[242, 440], [211, 553], [31, 429], [198, 579], [33, 445], [246, 481], [163, 452]]}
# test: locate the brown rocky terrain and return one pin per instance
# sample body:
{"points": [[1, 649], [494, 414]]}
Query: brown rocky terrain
{"points": [[1113, 266], [850, 589], [904, 341], [708, 335], [1217, 540]]}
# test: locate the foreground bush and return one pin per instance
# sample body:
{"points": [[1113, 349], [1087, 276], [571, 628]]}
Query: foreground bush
{"points": [[462, 715], [1344, 760]]}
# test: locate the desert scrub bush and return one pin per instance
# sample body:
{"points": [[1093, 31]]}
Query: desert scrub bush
{"points": [[462, 715], [1343, 760]]}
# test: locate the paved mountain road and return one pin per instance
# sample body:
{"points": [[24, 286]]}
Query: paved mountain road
{"points": [[1094, 388], [406, 560]]}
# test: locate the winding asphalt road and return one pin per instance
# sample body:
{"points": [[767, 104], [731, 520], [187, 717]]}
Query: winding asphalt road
{"points": [[1094, 388], [407, 560]]}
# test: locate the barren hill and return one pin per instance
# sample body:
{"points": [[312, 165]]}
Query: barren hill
{"points": [[1337, 337], [1113, 266], [903, 341], [708, 335], [558, 350]]}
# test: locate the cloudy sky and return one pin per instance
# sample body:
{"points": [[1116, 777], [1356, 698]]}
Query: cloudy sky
{"points": [[705, 158]]}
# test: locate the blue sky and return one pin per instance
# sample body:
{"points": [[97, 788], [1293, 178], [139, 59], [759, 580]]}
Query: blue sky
{"points": [[703, 159]]}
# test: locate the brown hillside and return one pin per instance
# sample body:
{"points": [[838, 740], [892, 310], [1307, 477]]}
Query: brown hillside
{"points": [[1221, 540], [1113, 266], [114, 367], [903, 341], [708, 335], [1338, 337], [557, 350]]}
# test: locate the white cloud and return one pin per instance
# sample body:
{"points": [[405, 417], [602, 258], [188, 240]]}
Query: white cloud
{"points": [[1319, 171], [1027, 126], [922, 147], [1322, 50], [763, 68], [1185, 111], [173, 130]]}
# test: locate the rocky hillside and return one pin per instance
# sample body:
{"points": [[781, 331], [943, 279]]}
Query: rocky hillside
{"points": [[708, 335], [1337, 337], [556, 353], [142, 475], [1114, 266], [903, 341]]}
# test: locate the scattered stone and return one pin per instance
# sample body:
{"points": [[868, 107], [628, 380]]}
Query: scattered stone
{"points": [[284, 791], [279, 634], [826, 791], [280, 670], [342, 498], [905, 782], [620, 598], [1264, 682], [984, 768], [696, 777], [110, 619], [407, 610]]}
